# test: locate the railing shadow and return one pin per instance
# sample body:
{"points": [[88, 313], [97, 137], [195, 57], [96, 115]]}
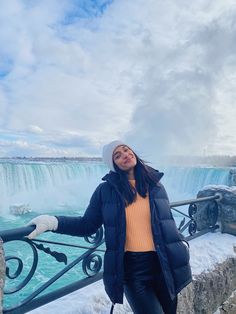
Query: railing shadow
{"points": [[90, 260]]}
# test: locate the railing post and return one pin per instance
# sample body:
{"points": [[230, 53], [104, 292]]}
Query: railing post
{"points": [[2, 273]]}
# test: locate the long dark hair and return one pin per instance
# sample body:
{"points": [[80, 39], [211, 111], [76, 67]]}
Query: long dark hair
{"points": [[143, 179]]}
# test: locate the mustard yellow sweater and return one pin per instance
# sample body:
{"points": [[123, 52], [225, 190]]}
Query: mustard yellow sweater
{"points": [[138, 225]]}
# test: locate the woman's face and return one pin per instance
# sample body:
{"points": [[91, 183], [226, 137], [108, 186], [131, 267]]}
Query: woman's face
{"points": [[124, 158]]}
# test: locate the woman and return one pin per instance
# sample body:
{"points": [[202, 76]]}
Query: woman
{"points": [[146, 257]]}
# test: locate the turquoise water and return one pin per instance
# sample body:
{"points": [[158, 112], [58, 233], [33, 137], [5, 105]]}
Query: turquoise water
{"points": [[64, 188], [47, 265]]}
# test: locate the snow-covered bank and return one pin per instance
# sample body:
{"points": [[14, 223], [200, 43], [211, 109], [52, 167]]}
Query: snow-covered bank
{"points": [[205, 251], [210, 249]]}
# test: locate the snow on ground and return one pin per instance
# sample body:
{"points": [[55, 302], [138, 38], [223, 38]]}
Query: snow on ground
{"points": [[205, 252], [210, 249]]}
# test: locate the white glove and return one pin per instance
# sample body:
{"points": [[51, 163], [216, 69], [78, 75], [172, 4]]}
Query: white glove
{"points": [[43, 223]]}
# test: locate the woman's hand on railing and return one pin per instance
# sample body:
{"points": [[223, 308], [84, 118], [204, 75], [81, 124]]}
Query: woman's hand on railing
{"points": [[43, 223]]}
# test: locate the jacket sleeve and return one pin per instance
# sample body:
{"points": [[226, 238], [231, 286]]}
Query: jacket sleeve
{"points": [[86, 225]]}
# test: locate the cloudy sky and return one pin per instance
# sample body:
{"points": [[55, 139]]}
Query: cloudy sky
{"points": [[75, 74]]}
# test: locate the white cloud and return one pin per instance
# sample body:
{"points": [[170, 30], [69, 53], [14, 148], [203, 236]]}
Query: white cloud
{"points": [[145, 71], [35, 129], [22, 144], [3, 105]]}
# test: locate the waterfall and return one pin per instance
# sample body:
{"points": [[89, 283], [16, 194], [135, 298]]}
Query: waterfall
{"points": [[48, 185], [187, 181], [55, 185]]}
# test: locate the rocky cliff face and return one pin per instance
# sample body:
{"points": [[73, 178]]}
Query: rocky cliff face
{"points": [[226, 208], [232, 178], [211, 290], [229, 306]]}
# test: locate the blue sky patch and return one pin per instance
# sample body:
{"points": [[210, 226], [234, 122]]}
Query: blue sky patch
{"points": [[6, 65], [86, 9]]}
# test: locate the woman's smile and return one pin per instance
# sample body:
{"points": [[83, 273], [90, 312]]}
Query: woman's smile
{"points": [[124, 158]]}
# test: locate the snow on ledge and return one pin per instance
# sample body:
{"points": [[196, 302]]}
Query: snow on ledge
{"points": [[209, 250]]}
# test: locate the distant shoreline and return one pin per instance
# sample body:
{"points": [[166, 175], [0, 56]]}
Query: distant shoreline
{"points": [[205, 161]]}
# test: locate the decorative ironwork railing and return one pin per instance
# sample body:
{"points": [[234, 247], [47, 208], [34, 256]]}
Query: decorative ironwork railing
{"points": [[90, 260], [191, 225]]}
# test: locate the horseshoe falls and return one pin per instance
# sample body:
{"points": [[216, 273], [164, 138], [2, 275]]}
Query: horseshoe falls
{"points": [[185, 182], [63, 186], [48, 186]]}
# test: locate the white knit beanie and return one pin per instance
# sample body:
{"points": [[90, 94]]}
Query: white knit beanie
{"points": [[107, 153]]}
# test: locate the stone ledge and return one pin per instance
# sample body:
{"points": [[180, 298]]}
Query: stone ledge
{"points": [[211, 290], [229, 306], [226, 206]]}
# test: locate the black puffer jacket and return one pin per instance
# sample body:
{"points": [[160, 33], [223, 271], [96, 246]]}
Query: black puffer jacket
{"points": [[107, 207]]}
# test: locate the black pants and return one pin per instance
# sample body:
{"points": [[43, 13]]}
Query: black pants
{"points": [[144, 285]]}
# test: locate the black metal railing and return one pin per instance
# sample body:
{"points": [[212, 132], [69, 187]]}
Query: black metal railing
{"points": [[191, 224], [90, 260]]}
